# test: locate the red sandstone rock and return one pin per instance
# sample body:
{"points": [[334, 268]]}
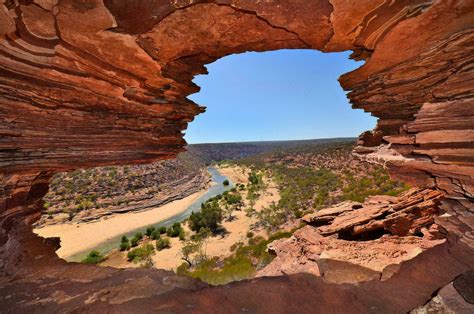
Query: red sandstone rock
{"points": [[90, 83], [409, 214]]}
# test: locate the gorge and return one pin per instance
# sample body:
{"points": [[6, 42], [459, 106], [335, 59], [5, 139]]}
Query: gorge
{"points": [[95, 83]]}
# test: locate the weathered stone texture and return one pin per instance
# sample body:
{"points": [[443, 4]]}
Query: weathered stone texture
{"points": [[89, 83]]}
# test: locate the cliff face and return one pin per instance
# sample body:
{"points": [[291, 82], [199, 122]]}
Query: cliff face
{"points": [[91, 83]]}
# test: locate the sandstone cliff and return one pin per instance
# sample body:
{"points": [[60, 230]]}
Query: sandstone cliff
{"points": [[95, 83]]}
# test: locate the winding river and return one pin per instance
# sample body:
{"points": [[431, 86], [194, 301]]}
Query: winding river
{"points": [[217, 187]]}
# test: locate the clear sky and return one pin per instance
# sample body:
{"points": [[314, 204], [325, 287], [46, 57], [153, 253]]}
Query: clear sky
{"points": [[279, 95]]}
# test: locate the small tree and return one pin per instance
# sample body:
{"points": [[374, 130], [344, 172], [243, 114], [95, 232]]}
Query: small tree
{"points": [[226, 183], [210, 217], [196, 247], [190, 248], [163, 243]]}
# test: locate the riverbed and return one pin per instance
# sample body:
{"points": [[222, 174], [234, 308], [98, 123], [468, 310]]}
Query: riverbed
{"points": [[78, 239]]}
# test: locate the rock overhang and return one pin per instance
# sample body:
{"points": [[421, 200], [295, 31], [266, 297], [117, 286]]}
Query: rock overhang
{"points": [[89, 83]]}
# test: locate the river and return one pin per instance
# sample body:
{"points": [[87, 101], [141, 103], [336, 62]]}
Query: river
{"points": [[217, 187]]}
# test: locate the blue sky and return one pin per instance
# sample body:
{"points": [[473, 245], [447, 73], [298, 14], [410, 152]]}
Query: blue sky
{"points": [[279, 95]]}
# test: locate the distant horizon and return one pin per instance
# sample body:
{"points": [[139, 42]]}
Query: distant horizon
{"points": [[280, 95], [272, 141]]}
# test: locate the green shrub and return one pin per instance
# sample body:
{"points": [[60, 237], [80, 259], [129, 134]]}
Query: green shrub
{"points": [[250, 234], [226, 183], [182, 269], [235, 268], [149, 230], [233, 199], [182, 235], [124, 239], [163, 243], [174, 230], [124, 246], [94, 257], [243, 264], [155, 235], [162, 230], [141, 253], [138, 236], [298, 213], [210, 217]]}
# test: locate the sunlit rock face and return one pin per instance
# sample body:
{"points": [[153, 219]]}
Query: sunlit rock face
{"points": [[89, 83]]}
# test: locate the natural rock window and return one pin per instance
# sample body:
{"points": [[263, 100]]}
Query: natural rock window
{"points": [[102, 83]]}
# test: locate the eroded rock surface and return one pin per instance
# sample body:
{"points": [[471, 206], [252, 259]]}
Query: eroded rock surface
{"points": [[353, 242], [456, 297], [91, 83]]}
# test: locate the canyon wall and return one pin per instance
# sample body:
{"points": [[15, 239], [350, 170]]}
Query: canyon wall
{"points": [[91, 83]]}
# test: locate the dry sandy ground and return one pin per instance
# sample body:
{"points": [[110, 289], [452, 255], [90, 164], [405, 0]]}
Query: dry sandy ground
{"points": [[234, 173], [76, 237]]}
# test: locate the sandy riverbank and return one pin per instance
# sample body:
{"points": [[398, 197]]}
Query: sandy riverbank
{"points": [[78, 237], [234, 173]]}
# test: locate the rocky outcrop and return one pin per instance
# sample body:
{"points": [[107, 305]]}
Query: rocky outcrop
{"points": [[405, 215], [353, 242], [91, 83]]}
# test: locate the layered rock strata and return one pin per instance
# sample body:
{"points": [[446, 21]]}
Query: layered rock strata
{"points": [[90, 83], [354, 242]]}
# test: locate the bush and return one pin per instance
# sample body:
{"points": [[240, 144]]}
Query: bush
{"points": [[233, 199], [226, 183], [182, 235], [138, 236], [162, 230], [298, 213], [163, 243], [255, 178], [250, 234], [124, 246], [155, 235], [149, 230], [94, 257], [142, 253], [210, 217], [174, 230]]}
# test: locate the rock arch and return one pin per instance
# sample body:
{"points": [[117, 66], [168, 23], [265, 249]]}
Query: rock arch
{"points": [[90, 82]]}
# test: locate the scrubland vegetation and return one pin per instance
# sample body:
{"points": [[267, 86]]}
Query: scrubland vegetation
{"points": [[109, 188], [306, 179], [243, 264], [94, 257], [313, 178]]}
